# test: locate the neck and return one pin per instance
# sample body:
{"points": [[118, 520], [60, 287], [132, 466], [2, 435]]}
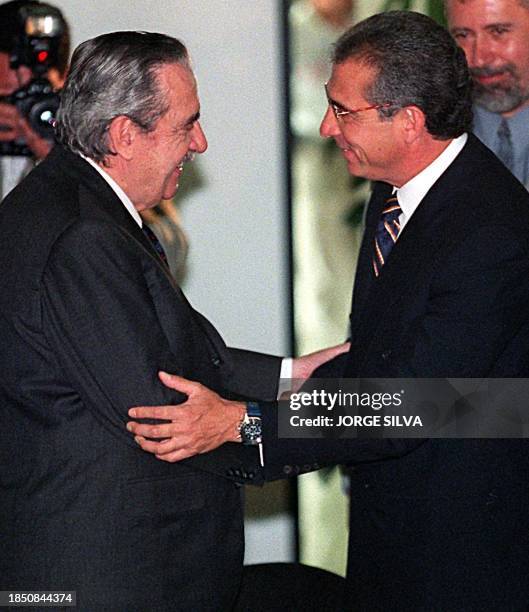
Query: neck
{"points": [[117, 170], [420, 157]]}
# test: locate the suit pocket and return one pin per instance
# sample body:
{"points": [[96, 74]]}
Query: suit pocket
{"points": [[154, 498], [171, 531]]}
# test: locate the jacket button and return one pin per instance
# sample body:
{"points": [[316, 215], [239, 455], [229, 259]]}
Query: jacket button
{"points": [[287, 469], [237, 473], [251, 475], [216, 361], [230, 472], [385, 355], [307, 467]]}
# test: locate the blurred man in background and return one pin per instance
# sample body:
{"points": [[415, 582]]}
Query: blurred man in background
{"points": [[495, 37]]}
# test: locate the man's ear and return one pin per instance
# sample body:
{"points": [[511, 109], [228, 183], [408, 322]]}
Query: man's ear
{"points": [[413, 123], [122, 133]]}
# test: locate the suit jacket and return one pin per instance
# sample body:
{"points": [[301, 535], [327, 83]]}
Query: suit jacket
{"points": [[88, 315], [437, 524]]}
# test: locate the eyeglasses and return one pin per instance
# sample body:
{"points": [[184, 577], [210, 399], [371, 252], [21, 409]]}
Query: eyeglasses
{"points": [[342, 113]]}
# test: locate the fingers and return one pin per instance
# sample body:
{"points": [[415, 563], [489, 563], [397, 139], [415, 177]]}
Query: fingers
{"points": [[8, 123], [165, 450], [338, 349], [167, 413], [178, 383], [39, 146], [343, 348], [160, 447], [165, 430]]}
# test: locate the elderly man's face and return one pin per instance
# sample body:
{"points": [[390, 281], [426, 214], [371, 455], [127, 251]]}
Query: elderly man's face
{"points": [[160, 154], [495, 37]]}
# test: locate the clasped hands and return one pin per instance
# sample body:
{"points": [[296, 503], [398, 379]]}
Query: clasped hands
{"points": [[205, 420]]}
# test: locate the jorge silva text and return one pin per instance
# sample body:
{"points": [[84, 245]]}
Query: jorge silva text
{"points": [[347, 420]]}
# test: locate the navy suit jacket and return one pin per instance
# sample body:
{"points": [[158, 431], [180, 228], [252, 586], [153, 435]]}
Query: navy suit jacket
{"points": [[437, 524], [88, 315]]}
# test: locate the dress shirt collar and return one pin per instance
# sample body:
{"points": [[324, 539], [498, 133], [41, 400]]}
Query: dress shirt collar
{"points": [[411, 193], [117, 190]]}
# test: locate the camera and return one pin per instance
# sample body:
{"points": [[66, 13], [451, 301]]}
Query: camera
{"points": [[36, 45]]}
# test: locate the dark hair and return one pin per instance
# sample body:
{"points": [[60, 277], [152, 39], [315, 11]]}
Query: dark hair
{"points": [[111, 75], [9, 25], [417, 63]]}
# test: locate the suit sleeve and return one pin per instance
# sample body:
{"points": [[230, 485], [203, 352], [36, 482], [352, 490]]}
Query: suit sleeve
{"points": [[250, 374], [102, 323]]}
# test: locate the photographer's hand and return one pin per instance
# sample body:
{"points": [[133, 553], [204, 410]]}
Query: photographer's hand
{"points": [[40, 147], [14, 126], [8, 122]]}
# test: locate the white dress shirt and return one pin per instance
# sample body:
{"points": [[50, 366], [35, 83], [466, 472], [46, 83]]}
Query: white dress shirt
{"points": [[124, 198], [411, 194]]}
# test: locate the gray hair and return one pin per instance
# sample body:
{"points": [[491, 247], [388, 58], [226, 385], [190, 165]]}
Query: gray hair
{"points": [[111, 75], [416, 62]]}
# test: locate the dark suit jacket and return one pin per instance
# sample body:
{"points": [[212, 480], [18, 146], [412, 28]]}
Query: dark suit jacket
{"points": [[88, 315], [438, 524]]}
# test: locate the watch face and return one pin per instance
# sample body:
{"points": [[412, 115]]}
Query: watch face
{"points": [[251, 431]]}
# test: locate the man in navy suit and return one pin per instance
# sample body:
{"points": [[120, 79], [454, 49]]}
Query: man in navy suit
{"points": [[441, 290], [89, 313]]}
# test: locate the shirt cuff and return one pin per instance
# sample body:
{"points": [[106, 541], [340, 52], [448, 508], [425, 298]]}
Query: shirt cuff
{"points": [[285, 376]]}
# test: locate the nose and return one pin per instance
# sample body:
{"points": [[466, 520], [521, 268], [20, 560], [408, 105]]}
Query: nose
{"points": [[479, 53], [198, 141], [329, 126]]}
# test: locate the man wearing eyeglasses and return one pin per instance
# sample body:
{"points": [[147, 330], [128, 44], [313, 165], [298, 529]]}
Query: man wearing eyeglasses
{"points": [[441, 290]]}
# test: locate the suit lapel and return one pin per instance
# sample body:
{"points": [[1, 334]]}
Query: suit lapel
{"points": [[415, 247], [96, 194], [97, 197]]}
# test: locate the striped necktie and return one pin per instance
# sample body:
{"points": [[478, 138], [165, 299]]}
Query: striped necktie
{"points": [[155, 243], [388, 229]]}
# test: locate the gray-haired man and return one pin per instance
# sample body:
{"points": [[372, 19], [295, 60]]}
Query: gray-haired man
{"points": [[88, 315]]}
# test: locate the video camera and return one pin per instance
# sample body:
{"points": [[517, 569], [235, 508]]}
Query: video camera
{"points": [[36, 45]]}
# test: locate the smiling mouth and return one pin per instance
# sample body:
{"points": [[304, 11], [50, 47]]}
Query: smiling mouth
{"points": [[489, 76], [188, 158], [492, 78]]}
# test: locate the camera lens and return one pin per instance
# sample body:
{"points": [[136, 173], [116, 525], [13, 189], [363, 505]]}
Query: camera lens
{"points": [[41, 115]]}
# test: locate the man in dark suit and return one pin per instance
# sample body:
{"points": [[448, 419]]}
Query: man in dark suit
{"points": [[442, 290], [88, 315]]}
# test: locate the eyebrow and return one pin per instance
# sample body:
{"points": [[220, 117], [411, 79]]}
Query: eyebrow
{"points": [[459, 30], [193, 119], [335, 103], [499, 24], [488, 26]]}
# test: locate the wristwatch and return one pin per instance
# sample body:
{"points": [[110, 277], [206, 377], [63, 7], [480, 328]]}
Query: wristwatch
{"points": [[250, 427]]}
